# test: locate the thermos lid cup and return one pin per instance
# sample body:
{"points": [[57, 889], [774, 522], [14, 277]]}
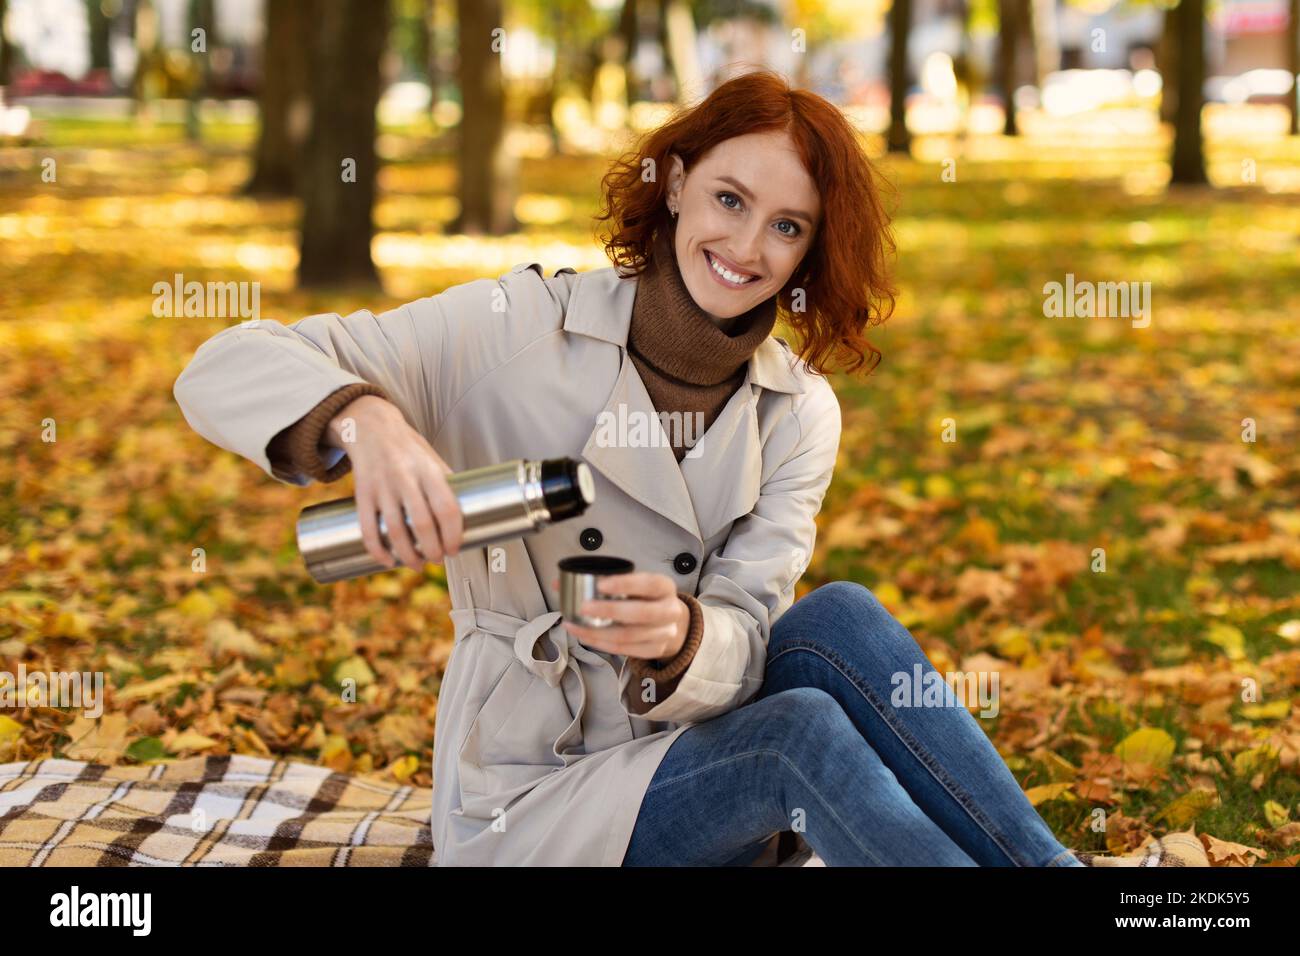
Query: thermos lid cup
{"points": [[596, 564], [578, 577]]}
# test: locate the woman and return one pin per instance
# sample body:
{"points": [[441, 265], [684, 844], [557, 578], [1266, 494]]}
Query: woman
{"points": [[713, 714]]}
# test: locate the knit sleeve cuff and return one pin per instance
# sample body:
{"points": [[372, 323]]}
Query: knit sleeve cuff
{"points": [[673, 668], [297, 449]]}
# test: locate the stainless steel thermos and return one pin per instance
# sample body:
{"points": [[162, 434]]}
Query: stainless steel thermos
{"points": [[499, 502]]}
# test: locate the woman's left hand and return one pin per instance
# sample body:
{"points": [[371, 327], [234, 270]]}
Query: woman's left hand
{"points": [[651, 623]]}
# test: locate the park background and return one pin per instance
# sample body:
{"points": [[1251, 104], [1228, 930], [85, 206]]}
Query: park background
{"points": [[1024, 141]]}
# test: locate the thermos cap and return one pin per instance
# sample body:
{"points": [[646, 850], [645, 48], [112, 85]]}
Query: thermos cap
{"points": [[567, 487]]}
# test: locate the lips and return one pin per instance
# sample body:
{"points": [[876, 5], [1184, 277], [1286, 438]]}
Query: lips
{"points": [[726, 272]]}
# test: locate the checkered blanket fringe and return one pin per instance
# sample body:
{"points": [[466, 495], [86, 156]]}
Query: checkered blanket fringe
{"points": [[208, 811]]}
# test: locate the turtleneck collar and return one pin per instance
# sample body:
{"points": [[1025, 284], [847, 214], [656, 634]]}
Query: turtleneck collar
{"points": [[678, 338]]}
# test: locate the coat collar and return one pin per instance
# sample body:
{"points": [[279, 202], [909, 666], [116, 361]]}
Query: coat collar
{"points": [[693, 494], [600, 306]]}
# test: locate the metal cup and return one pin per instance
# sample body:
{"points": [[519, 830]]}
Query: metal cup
{"points": [[578, 577]]}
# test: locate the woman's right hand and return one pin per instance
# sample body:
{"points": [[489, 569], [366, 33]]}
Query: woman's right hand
{"points": [[396, 470]]}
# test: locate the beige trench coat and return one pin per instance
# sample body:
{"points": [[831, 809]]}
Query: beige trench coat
{"points": [[543, 748]]}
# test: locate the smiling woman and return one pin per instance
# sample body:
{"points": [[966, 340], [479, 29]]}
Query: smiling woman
{"points": [[772, 195], [713, 711]]}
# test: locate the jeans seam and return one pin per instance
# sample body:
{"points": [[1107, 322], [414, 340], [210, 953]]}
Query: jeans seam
{"points": [[795, 770], [919, 752]]}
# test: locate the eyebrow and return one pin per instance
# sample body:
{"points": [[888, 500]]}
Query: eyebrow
{"points": [[744, 191]]}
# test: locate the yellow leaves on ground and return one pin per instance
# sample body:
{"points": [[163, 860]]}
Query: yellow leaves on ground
{"points": [[10, 729], [1184, 810], [1225, 853], [1099, 535], [1229, 638], [223, 637], [1048, 791], [150, 689], [97, 741], [1145, 753], [356, 670], [183, 742]]}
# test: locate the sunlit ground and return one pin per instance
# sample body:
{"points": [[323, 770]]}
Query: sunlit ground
{"points": [[1160, 690]]}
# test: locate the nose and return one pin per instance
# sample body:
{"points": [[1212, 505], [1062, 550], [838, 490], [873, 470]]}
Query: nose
{"points": [[748, 246]]}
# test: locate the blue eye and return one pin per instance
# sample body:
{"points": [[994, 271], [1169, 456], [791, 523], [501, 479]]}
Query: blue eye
{"points": [[787, 222], [722, 197]]}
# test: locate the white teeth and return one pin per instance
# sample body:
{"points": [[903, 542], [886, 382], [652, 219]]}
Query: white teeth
{"points": [[727, 273]]}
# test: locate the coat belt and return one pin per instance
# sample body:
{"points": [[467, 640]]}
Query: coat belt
{"points": [[524, 634]]}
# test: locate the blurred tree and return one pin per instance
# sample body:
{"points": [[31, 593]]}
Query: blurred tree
{"points": [[486, 186], [900, 27], [1012, 15], [1167, 64], [1293, 59], [284, 100], [629, 30], [149, 74], [99, 20], [1188, 163], [426, 61], [339, 166], [201, 17], [6, 51]]}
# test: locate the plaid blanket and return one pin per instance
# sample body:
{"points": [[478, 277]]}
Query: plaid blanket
{"points": [[207, 811]]}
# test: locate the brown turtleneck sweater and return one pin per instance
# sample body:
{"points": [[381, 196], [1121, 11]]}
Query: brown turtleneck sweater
{"points": [[689, 363]]}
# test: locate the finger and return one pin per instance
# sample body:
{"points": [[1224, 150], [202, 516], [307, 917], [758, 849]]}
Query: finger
{"points": [[398, 534], [598, 638], [422, 523], [368, 516], [647, 643], [638, 584], [446, 509], [630, 611]]}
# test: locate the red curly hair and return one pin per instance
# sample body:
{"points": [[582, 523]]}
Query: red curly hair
{"points": [[844, 274]]}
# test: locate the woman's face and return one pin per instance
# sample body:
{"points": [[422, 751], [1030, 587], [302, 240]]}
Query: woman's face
{"points": [[747, 213]]}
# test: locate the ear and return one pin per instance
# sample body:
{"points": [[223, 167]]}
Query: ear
{"points": [[676, 178]]}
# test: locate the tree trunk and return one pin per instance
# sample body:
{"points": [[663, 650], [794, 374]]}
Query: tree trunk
{"points": [[1188, 165], [1293, 59], [1167, 65], [6, 51], [201, 17], [148, 49], [99, 27], [628, 31], [1010, 27], [284, 100], [339, 166], [900, 26], [487, 175]]}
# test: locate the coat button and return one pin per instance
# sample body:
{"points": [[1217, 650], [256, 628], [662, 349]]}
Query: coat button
{"points": [[684, 563], [591, 538]]}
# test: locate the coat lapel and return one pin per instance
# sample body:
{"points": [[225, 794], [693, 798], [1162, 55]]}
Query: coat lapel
{"points": [[720, 478]]}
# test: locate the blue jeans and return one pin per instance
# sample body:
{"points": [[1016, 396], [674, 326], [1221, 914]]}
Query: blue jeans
{"points": [[822, 749]]}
